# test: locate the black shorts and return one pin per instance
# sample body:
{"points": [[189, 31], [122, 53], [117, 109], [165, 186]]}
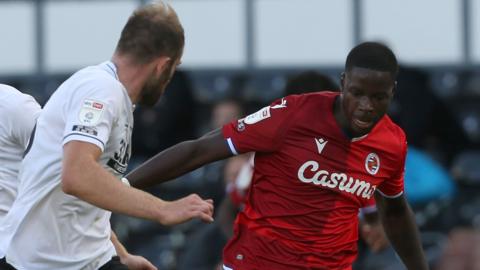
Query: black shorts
{"points": [[113, 264]]}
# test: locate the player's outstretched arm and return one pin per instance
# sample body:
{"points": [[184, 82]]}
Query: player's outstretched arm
{"points": [[180, 159], [399, 224], [84, 178], [133, 262]]}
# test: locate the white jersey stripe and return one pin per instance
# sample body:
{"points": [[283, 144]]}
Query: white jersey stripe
{"points": [[388, 196], [227, 268], [231, 146]]}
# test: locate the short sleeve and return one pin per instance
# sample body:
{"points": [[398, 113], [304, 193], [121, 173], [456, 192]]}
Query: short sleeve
{"points": [[393, 187], [23, 117], [91, 115], [261, 131]]}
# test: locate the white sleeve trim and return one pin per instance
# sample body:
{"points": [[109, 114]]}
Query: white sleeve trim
{"points": [[125, 181], [227, 268], [231, 146], [84, 138], [388, 196]]}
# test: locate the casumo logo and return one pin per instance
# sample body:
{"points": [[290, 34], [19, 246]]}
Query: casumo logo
{"points": [[338, 181]]}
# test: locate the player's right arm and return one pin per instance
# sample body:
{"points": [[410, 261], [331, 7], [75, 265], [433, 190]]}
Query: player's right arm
{"points": [[84, 178], [259, 132], [91, 114]]}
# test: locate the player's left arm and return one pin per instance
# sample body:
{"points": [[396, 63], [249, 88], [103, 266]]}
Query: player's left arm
{"points": [[399, 224], [133, 262]]}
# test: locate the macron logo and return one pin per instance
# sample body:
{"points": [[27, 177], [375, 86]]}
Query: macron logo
{"points": [[320, 144]]}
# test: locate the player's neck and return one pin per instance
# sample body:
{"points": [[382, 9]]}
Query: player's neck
{"points": [[341, 119], [340, 114], [132, 76]]}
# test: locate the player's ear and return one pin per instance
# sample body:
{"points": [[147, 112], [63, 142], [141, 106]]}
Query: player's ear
{"points": [[394, 88], [162, 64]]}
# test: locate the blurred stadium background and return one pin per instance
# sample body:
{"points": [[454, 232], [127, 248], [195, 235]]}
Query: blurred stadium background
{"points": [[246, 50]]}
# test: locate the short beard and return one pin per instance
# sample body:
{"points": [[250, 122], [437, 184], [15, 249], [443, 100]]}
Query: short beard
{"points": [[154, 88]]}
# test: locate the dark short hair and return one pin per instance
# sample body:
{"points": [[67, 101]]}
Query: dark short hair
{"points": [[152, 31], [309, 81], [372, 55]]}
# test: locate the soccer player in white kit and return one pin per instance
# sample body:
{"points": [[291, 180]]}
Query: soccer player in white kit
{"points": [[18, 113], [70, 176]]}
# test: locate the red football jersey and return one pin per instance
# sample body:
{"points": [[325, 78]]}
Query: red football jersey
{"points": [[308, 184]]}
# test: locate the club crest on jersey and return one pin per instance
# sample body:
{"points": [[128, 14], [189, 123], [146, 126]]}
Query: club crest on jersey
{"points": [[90, 112], [262, 114], [372, 163]]}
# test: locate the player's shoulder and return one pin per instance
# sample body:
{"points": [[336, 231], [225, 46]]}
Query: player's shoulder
{"points": [[98, 81], [10, 94], [12, 99], [7, 90], [313, 98], [99, 76], [393, 131]]}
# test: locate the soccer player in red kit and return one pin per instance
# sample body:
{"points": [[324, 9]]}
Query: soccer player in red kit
{"points": [[319, 157]]}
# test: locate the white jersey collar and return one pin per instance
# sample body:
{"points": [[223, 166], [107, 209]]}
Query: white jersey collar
{"points": [[113, 71]]}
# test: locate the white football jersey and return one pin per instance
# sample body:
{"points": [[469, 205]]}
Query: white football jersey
{"points": [[18, 113], [46, 228]]}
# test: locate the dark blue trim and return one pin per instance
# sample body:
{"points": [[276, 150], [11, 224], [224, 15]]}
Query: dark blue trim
{"points": [[81, 134], [114, 73]]}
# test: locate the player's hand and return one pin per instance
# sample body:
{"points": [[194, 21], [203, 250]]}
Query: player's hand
{"points": [[374, 236], [187, 208], [134, 262]]}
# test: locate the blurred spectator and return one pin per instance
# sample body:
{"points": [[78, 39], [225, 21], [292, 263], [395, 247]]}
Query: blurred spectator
{"points": [[210, 177], [462, 251], [196, 256], [428, 122], [309, 81], [426, 179], [169, 122], [224, 112]]}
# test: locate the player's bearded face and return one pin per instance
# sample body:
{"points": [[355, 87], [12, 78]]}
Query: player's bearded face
{"points": [[366, 95], [155, 86]]}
